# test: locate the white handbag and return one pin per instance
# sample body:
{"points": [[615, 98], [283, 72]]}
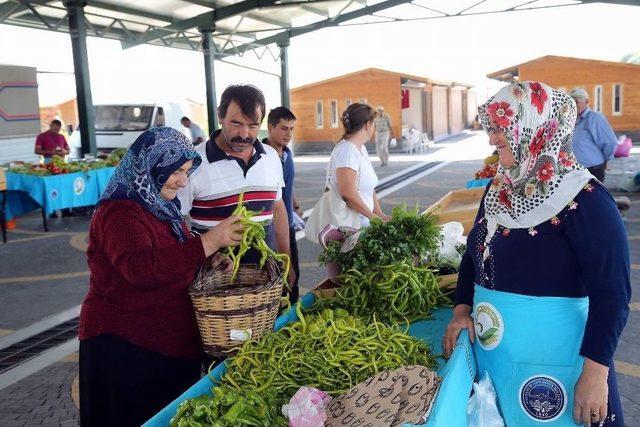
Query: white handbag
{"points": [[331, 209]]}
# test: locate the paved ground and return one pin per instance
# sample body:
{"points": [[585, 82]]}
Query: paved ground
{"points": [[42, 274]]}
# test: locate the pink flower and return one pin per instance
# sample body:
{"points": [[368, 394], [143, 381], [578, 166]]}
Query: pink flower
{"points": [[550, 129], [538, 96], [546, 172], [506, 232], [503, 197], [566, 159], [500, 112], [555, 221]]}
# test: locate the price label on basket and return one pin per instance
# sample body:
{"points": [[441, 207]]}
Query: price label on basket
{"points": [[240, 334]]}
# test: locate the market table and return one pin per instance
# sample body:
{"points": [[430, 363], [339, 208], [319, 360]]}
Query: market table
{"points": [[49, 193], [450, 403]]}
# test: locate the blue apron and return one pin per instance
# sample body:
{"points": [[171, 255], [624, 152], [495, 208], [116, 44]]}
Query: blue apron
{"points": [[530, 347]]}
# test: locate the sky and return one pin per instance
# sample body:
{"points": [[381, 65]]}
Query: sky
{"points": [[462, 49]]}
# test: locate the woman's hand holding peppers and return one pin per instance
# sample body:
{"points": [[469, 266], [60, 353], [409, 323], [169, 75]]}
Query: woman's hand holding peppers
{"points": [[227, 233]]}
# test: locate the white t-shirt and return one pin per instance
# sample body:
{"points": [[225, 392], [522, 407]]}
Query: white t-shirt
{"points": [[346, 155], [196, 132]]}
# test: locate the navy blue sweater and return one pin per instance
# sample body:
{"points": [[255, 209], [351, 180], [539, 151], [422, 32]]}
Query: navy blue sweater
{"points": [[583, 251]]}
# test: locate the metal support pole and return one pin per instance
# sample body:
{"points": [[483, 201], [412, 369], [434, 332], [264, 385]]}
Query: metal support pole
{"points": [[86, 115], [208, 48], [285, 97]]}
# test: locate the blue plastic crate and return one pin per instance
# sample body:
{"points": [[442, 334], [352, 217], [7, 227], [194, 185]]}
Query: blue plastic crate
{"points": [[449, 407]]}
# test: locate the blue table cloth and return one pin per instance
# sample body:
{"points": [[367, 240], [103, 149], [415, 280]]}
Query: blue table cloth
{"points": [[478, 182], [449, 407], [28, 192]]}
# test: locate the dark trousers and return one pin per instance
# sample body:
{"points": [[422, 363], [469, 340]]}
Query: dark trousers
{"points": [[122, 384], [598, 171], [295, 265]]}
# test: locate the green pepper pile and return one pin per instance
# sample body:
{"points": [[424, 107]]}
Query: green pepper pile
{"points": [[331, 351], [253, 237], [229, 407], [395, 293]]}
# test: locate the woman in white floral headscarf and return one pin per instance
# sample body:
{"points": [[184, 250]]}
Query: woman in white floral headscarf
{"points": [[546, 270]]}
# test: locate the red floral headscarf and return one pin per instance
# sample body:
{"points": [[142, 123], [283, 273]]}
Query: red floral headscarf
{"points": [[538, 122]]}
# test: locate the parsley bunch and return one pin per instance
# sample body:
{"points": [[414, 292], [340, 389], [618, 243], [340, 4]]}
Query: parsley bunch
{"points": [[407, 236]]}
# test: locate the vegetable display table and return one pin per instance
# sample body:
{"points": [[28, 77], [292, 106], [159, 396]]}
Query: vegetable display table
{"points": [[450, 403], [49, 193]]}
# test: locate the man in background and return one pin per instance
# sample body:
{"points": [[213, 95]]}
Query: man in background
{"points": [[52, 143], [594, 142], [382, 124], [281, 123], [197, 135]]}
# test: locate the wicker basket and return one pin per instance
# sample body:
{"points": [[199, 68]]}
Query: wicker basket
{"points": [[230, 313]]}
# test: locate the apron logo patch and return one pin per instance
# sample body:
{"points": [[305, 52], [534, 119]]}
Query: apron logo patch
{"points": [[489, 326], [543, 398]]}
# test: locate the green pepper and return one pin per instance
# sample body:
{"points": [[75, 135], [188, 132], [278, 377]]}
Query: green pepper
{"points": [[232, 414]]}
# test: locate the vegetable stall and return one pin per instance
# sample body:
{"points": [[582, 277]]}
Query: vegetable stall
{"points": [[56, 185], [387, 312]]}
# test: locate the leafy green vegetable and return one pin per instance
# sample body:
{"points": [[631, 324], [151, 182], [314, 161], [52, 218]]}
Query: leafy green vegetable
{"points": [[406, 236]]}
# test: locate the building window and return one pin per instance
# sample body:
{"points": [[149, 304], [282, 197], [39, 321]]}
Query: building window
{"points": [[347, 102], [362, 100], [334, 113], [319, 115], [597, 98], [617, 99]]}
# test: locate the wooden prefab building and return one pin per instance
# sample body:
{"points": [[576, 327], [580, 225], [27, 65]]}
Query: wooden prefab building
{"points": [[437, 108], [613, 87]]}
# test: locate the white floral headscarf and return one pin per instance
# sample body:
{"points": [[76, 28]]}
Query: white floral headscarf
{"points": [[538, 122]]}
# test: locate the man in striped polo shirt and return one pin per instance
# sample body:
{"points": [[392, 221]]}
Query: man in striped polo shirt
{"points": [[234, 162]]}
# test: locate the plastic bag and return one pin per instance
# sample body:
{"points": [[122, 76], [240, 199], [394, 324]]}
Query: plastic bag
{"points": [[451, 238], [393, 143], [624, 147], [307, 408], [482, 409]]}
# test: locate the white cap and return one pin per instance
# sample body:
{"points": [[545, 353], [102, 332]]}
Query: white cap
{"points": [[579, 93]]}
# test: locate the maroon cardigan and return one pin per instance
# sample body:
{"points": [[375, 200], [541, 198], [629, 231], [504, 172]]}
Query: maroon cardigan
{"points": [[139, 279]]}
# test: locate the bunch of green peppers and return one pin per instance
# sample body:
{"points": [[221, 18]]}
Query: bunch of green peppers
{"points": [[331, 351], [229, 407], [253, 236], [395, 293]]}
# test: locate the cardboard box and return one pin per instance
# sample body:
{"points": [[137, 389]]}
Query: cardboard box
{"points": [[458, 205]]}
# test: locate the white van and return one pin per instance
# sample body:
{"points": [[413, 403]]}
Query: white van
{"points": [[118, 125]]}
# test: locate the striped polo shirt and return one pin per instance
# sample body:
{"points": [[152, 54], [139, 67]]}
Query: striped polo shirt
{"points": [[214, 188]]}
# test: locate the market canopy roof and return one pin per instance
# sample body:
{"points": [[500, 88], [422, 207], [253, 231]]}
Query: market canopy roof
{"points": [[245, 25]]}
